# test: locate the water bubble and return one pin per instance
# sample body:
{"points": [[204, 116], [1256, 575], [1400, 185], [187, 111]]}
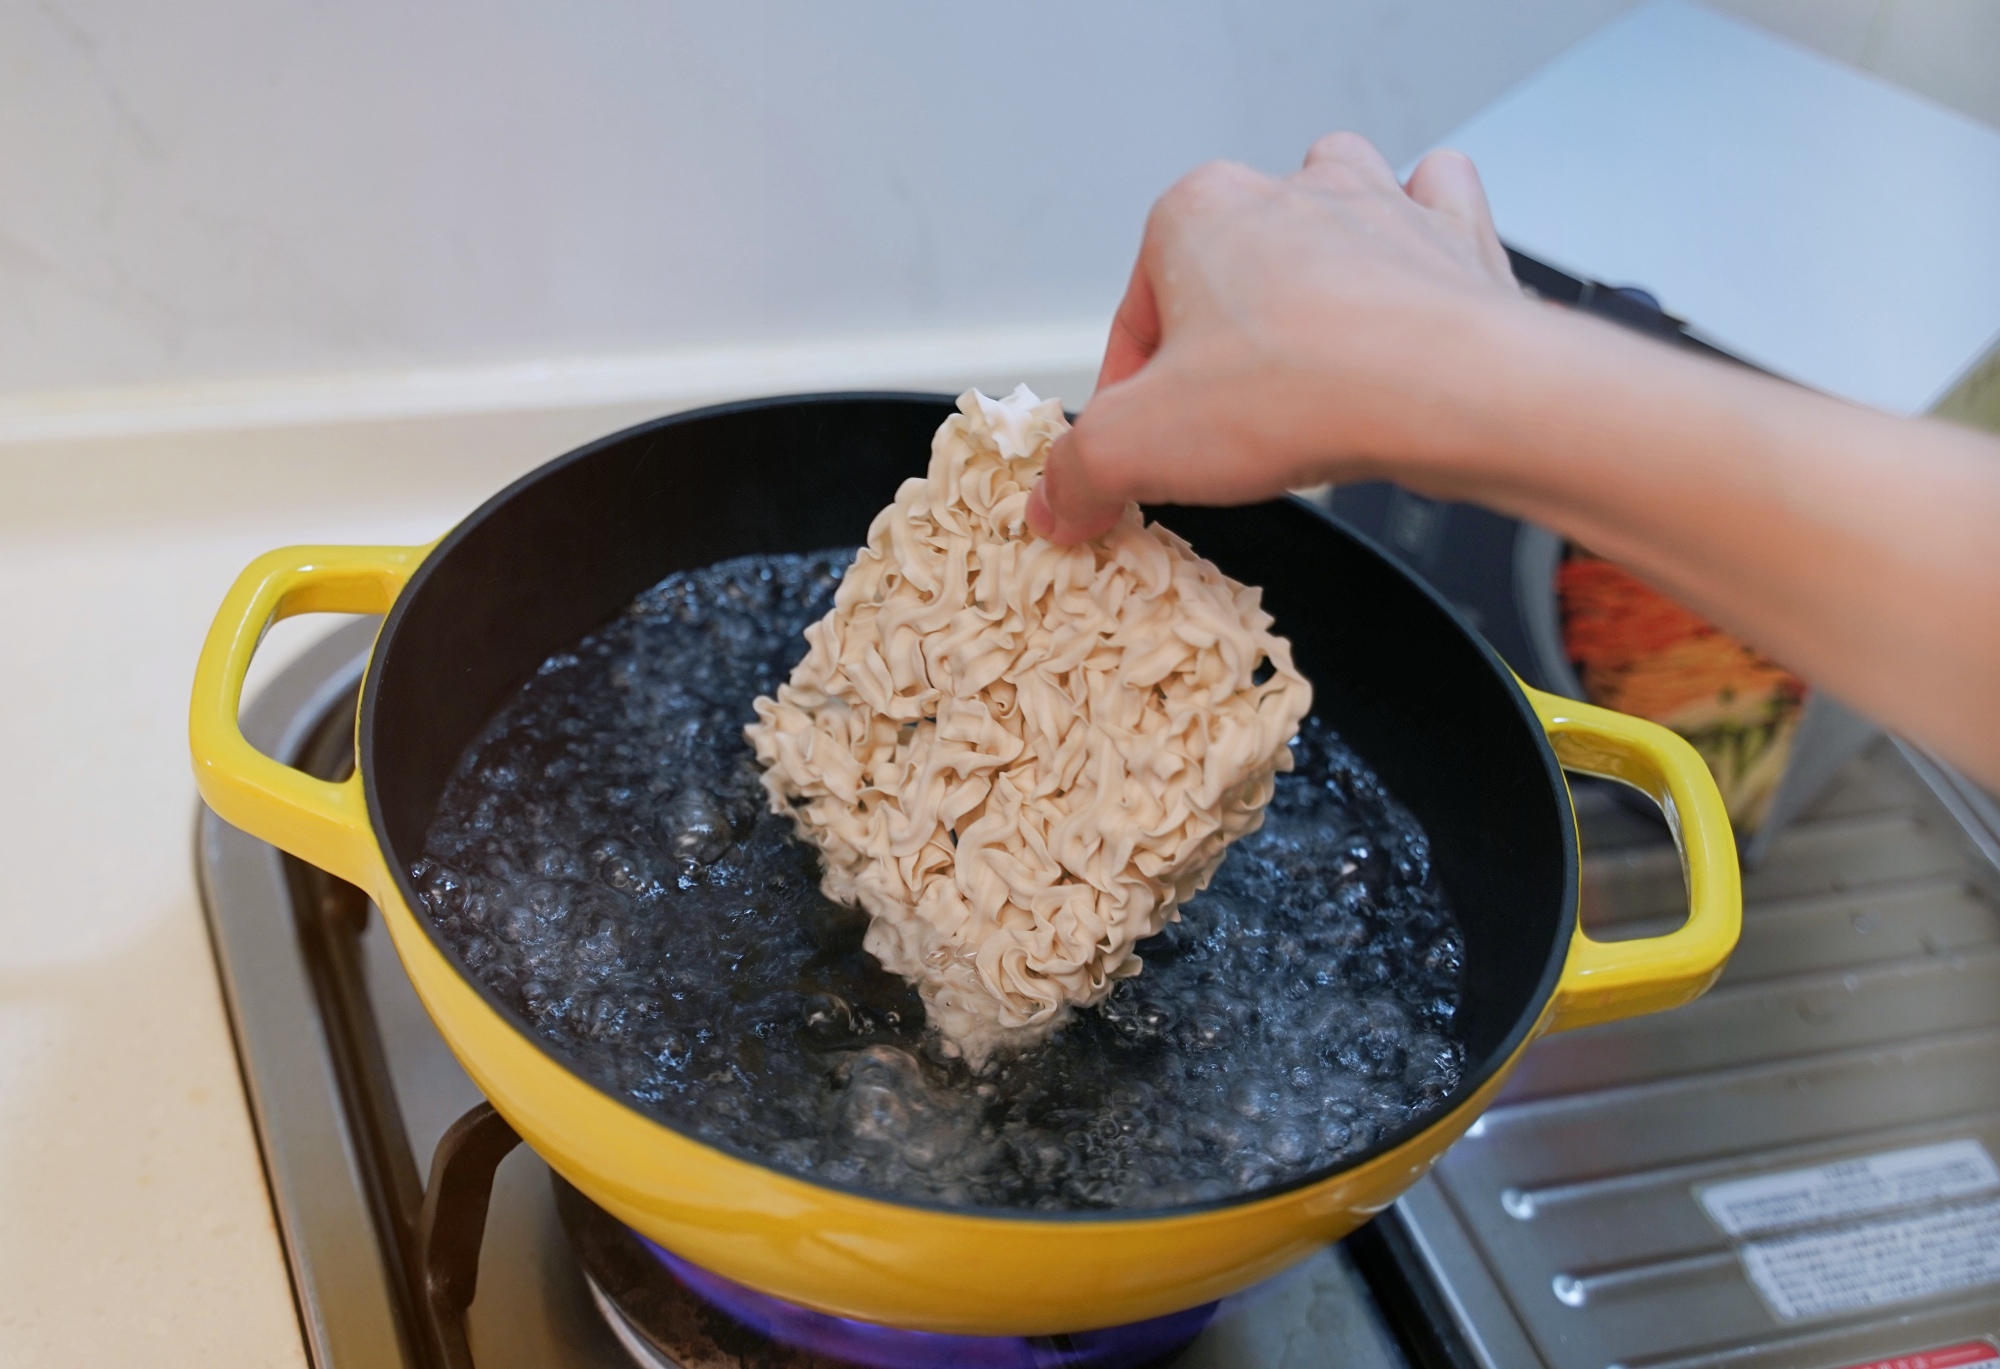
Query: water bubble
{"points": [[1209, 1030], [1433, 1066], [698, 826], [549, 902], [1251, 1099], [598, 1017], [556, 862], [881, 1083], [1290, 1145], [515, 924], [827, 1017], [441, 887], [625, 873], [1446, 955]]}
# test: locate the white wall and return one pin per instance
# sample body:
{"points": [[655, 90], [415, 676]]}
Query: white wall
{"points": [[1948, 50], [194, 189], [218, 190]]}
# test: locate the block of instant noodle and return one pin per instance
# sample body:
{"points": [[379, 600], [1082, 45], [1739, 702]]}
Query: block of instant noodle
{"points": [[1020, 758]]}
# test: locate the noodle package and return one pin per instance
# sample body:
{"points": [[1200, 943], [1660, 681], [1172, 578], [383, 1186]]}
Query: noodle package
{"points": [[1020, 759]]}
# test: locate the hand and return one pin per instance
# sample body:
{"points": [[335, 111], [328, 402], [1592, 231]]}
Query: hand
{"points": [[1333, 325], [1282, 332]]}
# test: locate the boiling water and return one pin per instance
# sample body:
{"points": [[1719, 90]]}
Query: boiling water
{"points": [[604, 863]]}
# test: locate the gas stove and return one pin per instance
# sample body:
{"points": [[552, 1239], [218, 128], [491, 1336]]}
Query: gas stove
{"points": [[1796, 1170]]}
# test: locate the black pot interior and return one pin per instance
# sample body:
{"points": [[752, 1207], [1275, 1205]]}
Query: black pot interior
{"points": [[563, 550]]}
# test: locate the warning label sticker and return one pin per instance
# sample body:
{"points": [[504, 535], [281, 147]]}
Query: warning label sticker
{"points": [[1819, 1273], [1919, 1176], [1972, 1354]]}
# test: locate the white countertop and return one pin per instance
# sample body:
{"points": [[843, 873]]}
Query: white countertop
{"points": [[137, 1228], [134, 1222]]}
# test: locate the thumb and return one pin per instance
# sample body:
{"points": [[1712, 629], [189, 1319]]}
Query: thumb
{"points": [[1066, 504], [1129, 443]]}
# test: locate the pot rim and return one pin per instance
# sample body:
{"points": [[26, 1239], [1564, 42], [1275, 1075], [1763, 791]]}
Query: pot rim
{"points": [[1497, 1060]]}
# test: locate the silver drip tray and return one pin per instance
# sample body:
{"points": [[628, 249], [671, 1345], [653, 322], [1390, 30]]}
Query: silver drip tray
{"points": [[1796, 1170]]}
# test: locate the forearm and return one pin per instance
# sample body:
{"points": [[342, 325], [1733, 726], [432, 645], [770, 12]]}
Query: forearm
{"points": [[1768, 508]]}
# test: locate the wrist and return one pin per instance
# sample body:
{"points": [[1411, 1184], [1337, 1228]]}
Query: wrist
{"points": [[1493, 380]]}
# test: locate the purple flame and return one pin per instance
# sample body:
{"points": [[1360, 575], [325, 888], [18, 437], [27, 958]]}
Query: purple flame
{"points": [[886, 1347]]}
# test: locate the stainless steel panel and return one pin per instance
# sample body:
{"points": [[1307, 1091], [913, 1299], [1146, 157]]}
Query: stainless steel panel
{"points": [[343, 1292], [1860, 1014]]}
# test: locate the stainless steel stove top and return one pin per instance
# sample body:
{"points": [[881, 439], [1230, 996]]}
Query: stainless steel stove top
{"points": [[1795, 1170], [1586, 1221]]}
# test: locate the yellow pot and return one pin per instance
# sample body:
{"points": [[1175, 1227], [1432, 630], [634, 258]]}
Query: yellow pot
{"points": [[1476, 756]]}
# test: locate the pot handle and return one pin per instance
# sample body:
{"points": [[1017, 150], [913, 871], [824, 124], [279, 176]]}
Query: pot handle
{"points": [[1606, 980], [321, 821]]}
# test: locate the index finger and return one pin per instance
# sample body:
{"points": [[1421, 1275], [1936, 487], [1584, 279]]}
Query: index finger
{"points": [[1351, 154]]}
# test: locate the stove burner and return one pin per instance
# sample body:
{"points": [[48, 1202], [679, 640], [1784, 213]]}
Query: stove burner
{"points": [[670, 1313]]}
